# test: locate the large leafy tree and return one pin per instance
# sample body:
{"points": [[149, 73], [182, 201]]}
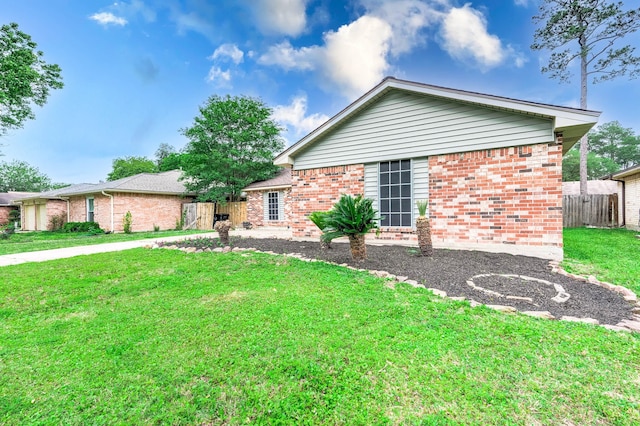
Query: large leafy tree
{"points": [[232, 143], [597, 166], [589, 32], [22, 177], [25, 78], [168, 158], [129, 166], [618, 144]]}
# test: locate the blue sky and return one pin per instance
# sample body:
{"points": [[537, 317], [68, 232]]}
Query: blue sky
{"points": [[136, 71]]}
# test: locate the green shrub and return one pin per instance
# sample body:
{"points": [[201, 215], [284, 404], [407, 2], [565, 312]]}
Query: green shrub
{"points": [[156, 228], [127, 220], [56, 222], [350, 216], [91, 227]]}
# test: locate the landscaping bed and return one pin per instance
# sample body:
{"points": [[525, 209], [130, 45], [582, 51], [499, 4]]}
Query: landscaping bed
{"points": [[449, 271]]}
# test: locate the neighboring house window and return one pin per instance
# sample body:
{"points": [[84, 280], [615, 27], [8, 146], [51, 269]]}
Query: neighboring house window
{"points": [[395, 193], [273, 205], [90, 210]]}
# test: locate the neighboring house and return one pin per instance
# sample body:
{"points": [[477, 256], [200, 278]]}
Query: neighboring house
{"points": [[269, 201], [630, 179], [6, 204], [491, 167], [154, 199]]}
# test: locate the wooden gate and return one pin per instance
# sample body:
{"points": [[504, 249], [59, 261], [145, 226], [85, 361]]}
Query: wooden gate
{"points": [[201, 215], [237, 212], [599, 210]]}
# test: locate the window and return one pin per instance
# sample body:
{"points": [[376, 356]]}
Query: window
{"points": [[395, 193], [90, 210], [273, 207]]}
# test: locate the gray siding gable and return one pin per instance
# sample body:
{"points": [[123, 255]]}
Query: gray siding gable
{"points": [[401, 125]]}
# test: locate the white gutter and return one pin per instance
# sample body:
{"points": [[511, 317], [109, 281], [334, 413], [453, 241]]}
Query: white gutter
{"points": [[110, 196]]}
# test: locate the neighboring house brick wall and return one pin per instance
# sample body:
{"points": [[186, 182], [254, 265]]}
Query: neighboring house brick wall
{"points": [[632, 202], [56, 208], [503, 196], [146, 210], [318, 190], [4, 214], [255, 208]]}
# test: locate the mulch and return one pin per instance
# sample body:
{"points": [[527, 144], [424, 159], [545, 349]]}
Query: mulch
{"points": [[449, 270]]}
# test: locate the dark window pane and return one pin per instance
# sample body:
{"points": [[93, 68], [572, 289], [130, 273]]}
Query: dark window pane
{"points": [[406, 205], [395, 165], [406, 191], [406, 220], [395, 220], [384, 206], [395, 178], [384, 192], [384, 167], [384, 179], [395, 191], [406, 164], [406, 177], [395, 206], [385, 221]]}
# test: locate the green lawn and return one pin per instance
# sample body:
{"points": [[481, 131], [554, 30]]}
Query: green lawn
{"points": [[34, 241], [612, 255], [163, 337]]}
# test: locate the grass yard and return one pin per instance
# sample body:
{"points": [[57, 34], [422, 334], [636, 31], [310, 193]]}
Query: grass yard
{"points": [[611, 255], [162, 337], [34, 241]]}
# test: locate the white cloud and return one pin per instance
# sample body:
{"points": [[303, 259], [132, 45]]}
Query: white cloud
{"points": [[135, 7], [523, 3], [465, 37], [230, 51], [282, 17], [353, 58], [108, 18], [286, 56], [294, 116], [219, 77]]}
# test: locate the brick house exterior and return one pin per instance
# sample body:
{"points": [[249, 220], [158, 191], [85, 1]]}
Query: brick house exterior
{"points": [[491, 167], [269, 202], [7, 204], [154, 200]]}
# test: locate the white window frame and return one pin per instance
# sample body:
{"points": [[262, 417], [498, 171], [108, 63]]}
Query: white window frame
{"points": [[91, 209], [402, 199], [271, 213]]}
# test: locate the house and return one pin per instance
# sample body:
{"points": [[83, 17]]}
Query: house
{"points": [[7, 205], [154, 200], [630, 179], [269, 201], [491, 167]]}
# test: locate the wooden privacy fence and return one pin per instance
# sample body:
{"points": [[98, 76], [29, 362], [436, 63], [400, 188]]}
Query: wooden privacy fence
{"points": [[201, 215], [590, 210], [237, 212]]}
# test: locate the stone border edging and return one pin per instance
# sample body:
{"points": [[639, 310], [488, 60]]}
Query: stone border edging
{"points": [[629, 326]]}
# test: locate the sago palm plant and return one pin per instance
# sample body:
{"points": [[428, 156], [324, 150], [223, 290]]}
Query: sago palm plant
{"points": [[423, 229], [353, 217], [319, 219]]}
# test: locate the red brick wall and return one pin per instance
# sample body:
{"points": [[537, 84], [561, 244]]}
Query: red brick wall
{"points": [[317, 190], [498, 196], [4, 214], [56, 208], [146, 210], [255, 208]]}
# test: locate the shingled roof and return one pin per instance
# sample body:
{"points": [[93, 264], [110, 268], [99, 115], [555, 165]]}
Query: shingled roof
{"points": [[281, 180], [167, 183], [6, 198]]}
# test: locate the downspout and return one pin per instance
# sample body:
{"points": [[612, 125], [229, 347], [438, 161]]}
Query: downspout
{"points": [[110, 196]]}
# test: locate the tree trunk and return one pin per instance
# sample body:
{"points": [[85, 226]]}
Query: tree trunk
{"points": [[584, 142], [324, 245], [358, 247], [423, 229]]}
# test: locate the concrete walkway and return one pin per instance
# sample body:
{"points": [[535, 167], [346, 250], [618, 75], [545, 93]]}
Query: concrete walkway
{"points": [[62, 253]]}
